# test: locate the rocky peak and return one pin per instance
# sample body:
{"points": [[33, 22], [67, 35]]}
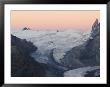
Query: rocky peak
{"points": [[95, 28], [25, 28], [95, 24]]}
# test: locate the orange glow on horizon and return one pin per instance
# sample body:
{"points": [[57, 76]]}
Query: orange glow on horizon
{"points": [[53, 19]]}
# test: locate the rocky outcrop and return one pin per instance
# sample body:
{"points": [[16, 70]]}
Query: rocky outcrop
{"points": [[87, 54], [23, 45], [95, 29]]}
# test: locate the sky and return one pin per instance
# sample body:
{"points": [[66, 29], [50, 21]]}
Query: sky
{"points": [[43, 20]]}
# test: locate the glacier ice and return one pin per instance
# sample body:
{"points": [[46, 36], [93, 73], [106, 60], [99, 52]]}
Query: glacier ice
{"points": [[80, 72], [61, 41]]}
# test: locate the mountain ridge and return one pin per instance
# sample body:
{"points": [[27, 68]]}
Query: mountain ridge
{"points": [[87, 54], [22, 64]]}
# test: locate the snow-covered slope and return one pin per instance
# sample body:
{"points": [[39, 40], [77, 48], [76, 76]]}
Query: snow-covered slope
{"points": [[60, 41], [80, 72]]}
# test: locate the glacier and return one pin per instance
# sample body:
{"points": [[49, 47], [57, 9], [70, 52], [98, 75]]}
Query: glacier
{"points": [[46, 40], [81, 72]]}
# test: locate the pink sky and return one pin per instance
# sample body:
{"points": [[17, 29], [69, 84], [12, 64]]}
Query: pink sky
{"points": [[53, 19]]}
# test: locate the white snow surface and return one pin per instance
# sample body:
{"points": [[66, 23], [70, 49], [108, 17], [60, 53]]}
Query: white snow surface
{"points": [[80, 72], [47, 40]]}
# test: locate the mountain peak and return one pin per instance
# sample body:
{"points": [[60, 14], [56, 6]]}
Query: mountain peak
{"points": [[95, 28], [95, 24], [25, 28]]}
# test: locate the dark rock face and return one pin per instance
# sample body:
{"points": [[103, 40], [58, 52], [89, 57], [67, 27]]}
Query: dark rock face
{"points": [[93, 73], [87, 54], [22, 64], [23, 45]]}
